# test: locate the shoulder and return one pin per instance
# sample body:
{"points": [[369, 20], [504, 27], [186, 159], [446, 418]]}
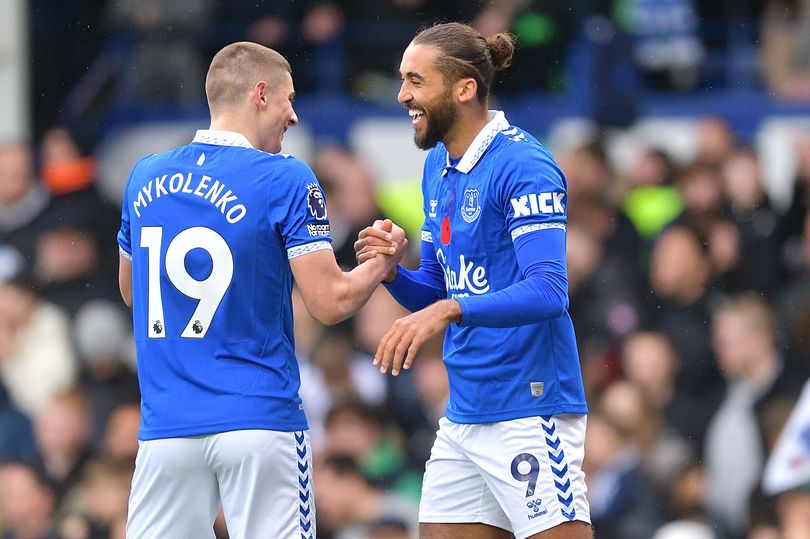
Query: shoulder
{"points": [[519, 153], [284, 166]]}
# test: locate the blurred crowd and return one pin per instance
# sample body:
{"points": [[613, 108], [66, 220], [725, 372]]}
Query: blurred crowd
{"points": [[103, 53], [689, 288]]}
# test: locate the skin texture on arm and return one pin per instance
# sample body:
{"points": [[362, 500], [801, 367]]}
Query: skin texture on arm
{"points": [[332, 295], [125, 279]]}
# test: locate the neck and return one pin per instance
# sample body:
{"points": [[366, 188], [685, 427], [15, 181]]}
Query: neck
{"points": [[763, 371], [464, 131], [236, 123]]}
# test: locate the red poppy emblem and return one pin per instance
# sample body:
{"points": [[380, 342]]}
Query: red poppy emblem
{"points": [[446, 231]]}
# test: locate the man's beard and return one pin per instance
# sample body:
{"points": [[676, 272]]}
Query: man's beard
{"points": [[438, 121]]}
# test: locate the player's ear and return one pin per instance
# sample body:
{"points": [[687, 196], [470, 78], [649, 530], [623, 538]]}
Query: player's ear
{"points": [[259, 94], [467, 89]]}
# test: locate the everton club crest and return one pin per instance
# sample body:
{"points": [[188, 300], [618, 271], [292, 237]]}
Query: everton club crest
{"points": [[316, 201], [471, 207]]}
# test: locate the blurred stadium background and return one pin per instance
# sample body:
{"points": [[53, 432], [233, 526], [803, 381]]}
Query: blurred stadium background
{"points": [[683, 127]]}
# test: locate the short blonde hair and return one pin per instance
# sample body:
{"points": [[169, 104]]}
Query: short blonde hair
{"points": [[236, 68]]}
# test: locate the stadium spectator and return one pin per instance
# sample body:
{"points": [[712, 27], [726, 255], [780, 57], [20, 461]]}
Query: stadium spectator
{"points": [[755, 371], [36, 356], [74, 260], [623, 505], [120, 440], [760, 264], [27, 503], [165, 58], [23, 202], [103, 338], [16, 433], [62, 433], [785, 48], [715, 141], [349, 507], [361, 432], [649, 361], [662, 451]]}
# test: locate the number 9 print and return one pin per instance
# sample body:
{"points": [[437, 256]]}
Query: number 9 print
{"points": [[531, 476]]}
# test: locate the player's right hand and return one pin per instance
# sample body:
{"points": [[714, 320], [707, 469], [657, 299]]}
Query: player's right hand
{"points": [[383, 237]]}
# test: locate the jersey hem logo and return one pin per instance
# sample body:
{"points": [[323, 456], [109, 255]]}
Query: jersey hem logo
{"points": [[471, 208]]}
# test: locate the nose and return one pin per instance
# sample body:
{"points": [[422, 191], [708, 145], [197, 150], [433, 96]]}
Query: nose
{"points": [[404, 95], [293, 119]]}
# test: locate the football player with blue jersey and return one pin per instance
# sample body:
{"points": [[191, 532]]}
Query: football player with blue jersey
{"points": [[212, 236], [508, 455]]}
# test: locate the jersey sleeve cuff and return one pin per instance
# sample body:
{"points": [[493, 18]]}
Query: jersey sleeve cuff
{"points": [[525, 229], [307, 248], [125, 254]]}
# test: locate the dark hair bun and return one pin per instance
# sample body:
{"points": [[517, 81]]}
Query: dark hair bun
{"points": [[501, 47]]}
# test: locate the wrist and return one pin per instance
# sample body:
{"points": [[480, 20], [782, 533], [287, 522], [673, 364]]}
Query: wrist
{"points": [[391, 276], [451, 309]]}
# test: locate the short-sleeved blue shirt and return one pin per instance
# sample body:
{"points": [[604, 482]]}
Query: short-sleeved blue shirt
{"points": [[210, 228]]}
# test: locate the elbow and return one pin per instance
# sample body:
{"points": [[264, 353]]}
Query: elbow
{"points": [[330, 317], [556, 309], [333, 311]]}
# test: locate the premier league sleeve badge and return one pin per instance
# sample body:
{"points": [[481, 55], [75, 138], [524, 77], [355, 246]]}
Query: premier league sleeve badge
{"points": [[316, 202]]}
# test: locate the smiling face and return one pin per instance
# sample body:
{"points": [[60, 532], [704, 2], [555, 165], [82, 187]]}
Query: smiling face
{"points": [[426, 95], [278, 114]]}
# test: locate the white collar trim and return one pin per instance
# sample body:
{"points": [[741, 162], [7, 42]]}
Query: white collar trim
{"points": [[497, 123], [222, 138]]}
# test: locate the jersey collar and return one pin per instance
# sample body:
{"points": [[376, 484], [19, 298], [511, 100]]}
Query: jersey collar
{"points": [[497, 123], [222, 138]]}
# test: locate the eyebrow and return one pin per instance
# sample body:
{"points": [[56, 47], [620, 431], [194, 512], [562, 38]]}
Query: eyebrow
{"points": [[414, 75]]}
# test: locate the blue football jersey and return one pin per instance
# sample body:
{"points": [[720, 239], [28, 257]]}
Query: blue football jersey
{"points": [[505, 185], [210, 228]]}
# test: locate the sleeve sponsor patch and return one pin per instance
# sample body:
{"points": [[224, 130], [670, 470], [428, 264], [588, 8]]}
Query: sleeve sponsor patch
{"points": [[318, 230]]}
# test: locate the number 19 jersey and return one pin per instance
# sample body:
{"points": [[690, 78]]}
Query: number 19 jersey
{"points": [[210, 228]]}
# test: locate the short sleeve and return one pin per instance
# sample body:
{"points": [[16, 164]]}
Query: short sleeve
{"points": [[304, 219], [124, 237], [533, 192]]}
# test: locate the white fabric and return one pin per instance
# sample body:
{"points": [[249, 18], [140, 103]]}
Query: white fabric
{"points": [[262, 478], [733, 457], [43, 363], [497, 123], [222, 138], [307, 248], [788, 466], [521, 230], [469, 477]]}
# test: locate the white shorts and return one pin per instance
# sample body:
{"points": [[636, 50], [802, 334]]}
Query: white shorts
{"points": [[262, 479], [523, 475]]}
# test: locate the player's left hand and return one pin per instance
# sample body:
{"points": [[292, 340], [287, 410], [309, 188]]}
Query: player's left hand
{"points": [[402, 341]]}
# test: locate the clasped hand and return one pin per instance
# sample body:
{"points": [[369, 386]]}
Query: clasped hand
{"points": [[401, 343]]}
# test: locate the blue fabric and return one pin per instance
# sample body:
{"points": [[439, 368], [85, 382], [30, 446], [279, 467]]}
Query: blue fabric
{"points": [[235, 369], [496, 222], [541, 295], [416, 289]]}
